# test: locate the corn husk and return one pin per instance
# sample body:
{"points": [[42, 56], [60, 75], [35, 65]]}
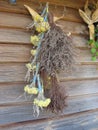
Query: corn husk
{"points": [[32, 12], [91, 31], [87, 10], [85, 17], [95, 16]]}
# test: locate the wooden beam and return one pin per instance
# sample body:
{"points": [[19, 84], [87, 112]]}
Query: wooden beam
{"points": [[17, 72], [83, 120], [70, 14], [13, 93], [68, 3], [24, 112]]}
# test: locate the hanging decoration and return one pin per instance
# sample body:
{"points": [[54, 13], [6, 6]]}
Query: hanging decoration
{"points": [[90, 16], [52, 52]]}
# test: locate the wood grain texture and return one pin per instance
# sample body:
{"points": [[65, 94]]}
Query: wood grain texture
{"points": [[21, 53], [24, 112], [16, 72], [70, 14], [77, 4], [14, 53], [81, 121], [13, 93], [74, 28], [14, 36], [80, 85], [13, 20]]}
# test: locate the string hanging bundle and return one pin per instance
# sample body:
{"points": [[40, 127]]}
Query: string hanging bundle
{"points": [[53, 51]]}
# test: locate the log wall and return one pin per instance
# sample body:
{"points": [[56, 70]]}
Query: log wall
{"points": [[82, 85]]}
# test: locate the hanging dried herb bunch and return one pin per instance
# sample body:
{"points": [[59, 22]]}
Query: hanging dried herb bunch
{"points": [[54, 52], [57, 51]]}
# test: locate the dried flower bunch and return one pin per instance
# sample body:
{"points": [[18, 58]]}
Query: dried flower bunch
{"points": [[90, 16], [53, 51]]}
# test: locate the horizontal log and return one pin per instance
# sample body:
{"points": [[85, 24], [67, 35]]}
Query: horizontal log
{"points": [[77, 4], [70, 14], [85, 120], [24, 112], [11, 93], [72, 27], [14, 36], [17, 73], [13, 20], [14, 53], [80, 41], [23, 36], [21, 53], [20, 21]]}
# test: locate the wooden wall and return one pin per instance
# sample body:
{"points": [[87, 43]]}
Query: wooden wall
{"points": [[82, 85]]}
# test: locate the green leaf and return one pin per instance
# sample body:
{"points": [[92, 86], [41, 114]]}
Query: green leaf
{"points": [[90, 41], [96, 53], [96, 44], [96, 30], [93, 50], [93, 58]]}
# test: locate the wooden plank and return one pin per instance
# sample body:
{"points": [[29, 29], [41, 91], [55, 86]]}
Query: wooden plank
{"points": [[21, 53], [18, 8], [75, 88], [73, 27], [12, 20], [77, 4], [24, 112], [80, 41], [17, 73], [14, 53], [23, 36], [80, 72], [14, 36], [70, 14], [12, 72], [81, 121], [12, 93]]}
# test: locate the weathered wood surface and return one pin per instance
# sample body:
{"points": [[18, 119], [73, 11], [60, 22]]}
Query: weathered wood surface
{"points": [[17, 73], [81, 121], [21, 53], [23, 111], [81, 85], [13, 92], [70, 14]]}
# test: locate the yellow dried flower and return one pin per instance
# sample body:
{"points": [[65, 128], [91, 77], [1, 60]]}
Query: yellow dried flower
{"points": [[29, 66], [26, 88], [47, 102], [42, 27], [33, 90], [38, 18], [33, 52], [34, 40], [42, 103], [29, 90]]}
